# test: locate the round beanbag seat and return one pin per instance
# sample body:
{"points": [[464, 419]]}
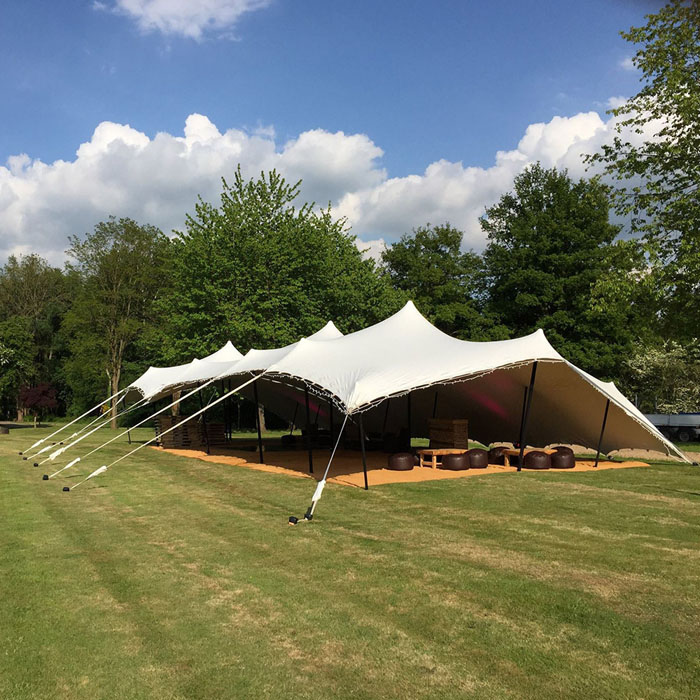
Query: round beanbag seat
{"points": [[401, 462], [537, 460], [496, 455], [478, 458], [563, 449], [455, 462], [562, 460]]}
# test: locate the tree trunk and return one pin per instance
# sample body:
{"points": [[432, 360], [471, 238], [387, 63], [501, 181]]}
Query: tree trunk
{"points": [[115, 399], [261, 413]]}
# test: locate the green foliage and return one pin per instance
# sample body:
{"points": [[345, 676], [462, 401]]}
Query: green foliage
{"points": [[32, 290], [550, 240], [658, 179], [261, 272], [444, 282], [666, 377], [17, 352], [117, 273]]}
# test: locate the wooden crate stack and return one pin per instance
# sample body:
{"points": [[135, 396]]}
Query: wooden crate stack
{"points": [[189, 435], [448, 432]]}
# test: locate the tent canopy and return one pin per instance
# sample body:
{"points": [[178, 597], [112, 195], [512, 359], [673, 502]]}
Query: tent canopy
{"points": [[483, 382]]}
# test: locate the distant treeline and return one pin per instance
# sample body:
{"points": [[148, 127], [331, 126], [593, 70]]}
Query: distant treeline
{"points": [[262, 271]]}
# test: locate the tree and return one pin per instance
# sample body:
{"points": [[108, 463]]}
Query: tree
{"points": [[445, 283], [38, 399], [261, 272], [655, 158], [119, 271], [665, 377], [17, 352], [549, 241], [33, 290]]}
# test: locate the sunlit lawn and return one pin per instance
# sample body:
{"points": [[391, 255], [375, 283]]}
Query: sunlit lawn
{"points": [[175, 578]]}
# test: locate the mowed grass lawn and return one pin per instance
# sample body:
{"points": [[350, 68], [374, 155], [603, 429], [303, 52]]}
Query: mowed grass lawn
{"points": [[175, 578]]}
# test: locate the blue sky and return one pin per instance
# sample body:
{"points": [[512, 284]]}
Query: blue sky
{"points": [[422, 82]]}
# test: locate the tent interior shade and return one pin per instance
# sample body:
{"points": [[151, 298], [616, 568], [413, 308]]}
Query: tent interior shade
{"points": [[481, 381]]}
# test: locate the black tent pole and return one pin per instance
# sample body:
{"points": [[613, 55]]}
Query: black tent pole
{"points": [[364, 456], [408, 418], [308, 431], [526, 413], [294, 418], [602, 430], [257, 422], [386, 416], [435, 405], [204, 422], [330, 422]]}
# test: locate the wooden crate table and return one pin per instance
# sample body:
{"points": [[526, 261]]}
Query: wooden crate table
{"points": [[429, 457], [514, 452]]}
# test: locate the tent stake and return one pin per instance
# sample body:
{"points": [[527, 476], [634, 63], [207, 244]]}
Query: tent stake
{"points": [[602, 430], [257, 422], [308, 429], [364, 456], [526, 413]]}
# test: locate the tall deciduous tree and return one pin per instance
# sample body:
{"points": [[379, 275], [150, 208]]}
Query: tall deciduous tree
{"points": [[33, 290], [17, 352], [261, 272], [549, 241], [445, 283], [119, 271], [658, 179]]}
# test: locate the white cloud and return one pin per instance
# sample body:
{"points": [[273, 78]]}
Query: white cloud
{"points": [[189, 18], [627, 64], [124, 172]]}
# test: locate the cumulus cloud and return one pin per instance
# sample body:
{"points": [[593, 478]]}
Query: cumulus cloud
{"points": [[627, 64], [184, 17], [124, 172]]}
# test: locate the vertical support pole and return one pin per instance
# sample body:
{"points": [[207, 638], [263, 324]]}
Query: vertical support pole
{"points": [[435, 405], [204, 423], [308, 431], [294, 419], [386, 416], [330, 423], [364, 456], [526, 413], [408, 419], [257, 422], [602, 430]]}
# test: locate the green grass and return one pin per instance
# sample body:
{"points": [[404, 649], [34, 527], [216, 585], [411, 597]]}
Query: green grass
{"points": [[175, 578]]}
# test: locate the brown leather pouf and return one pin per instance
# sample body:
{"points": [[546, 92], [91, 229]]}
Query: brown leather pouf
{"points": [[563, 460], [401, 462], [455, 462], [496, 455], [537, 460], [478, 458]]}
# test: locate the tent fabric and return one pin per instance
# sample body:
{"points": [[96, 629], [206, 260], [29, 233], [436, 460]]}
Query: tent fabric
{"points": [[406, 353], [445, 377], [157, 382]]}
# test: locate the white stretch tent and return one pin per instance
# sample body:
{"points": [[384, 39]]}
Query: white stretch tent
{"points": [[405, 354], [157, 382]]}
